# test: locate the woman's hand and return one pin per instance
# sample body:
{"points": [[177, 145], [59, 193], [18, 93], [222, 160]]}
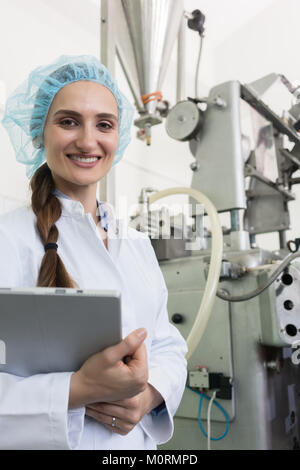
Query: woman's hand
{"points": [[127, 413], [104, 377]]}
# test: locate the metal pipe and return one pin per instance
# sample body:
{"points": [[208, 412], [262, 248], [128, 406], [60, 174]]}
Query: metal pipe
{"points": [[235, 220], [252, 239], [250, 295], [295, 181], [148, 133], [282, 239], [107, 190], [181, 48], [137, 99]]}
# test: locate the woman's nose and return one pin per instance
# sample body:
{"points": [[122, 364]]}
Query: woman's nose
{"points": [[86, 138]]}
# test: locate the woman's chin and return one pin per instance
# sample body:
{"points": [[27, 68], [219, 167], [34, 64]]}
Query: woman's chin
{"points": [[75, 179]]}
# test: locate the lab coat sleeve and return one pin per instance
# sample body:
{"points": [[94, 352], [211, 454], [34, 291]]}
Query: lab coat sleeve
{"points": [[34, 413], [33, 410], [167, 367], [10, 262]]}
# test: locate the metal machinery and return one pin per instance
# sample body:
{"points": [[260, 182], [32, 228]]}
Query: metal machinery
{"points": [[245, 157]]}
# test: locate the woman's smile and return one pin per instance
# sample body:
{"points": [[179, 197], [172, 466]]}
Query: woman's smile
{"points": [[84, 161]]}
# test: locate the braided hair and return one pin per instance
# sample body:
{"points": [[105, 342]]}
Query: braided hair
{"points": [[47, 209]]}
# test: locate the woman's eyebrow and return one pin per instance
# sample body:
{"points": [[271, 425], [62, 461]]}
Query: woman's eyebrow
{"points": [[75, 113]]}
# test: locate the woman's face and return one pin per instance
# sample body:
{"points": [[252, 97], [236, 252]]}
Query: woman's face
{"points": [[81, 134]]}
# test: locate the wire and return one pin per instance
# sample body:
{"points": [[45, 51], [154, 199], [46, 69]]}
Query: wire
{"points": [[202, 395], [260, 289], [198, 67], [208, 419]]}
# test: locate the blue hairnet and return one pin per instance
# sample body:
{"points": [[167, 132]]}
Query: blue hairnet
{"points": [[27, 107]]}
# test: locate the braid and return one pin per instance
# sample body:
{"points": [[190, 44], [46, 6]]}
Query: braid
{"points": [[47, 209]]}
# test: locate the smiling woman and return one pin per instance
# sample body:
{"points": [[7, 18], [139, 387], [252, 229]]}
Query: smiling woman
{"points": [[78, 137], [69, 123]]}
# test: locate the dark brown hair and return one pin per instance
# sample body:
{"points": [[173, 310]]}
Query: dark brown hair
{"points": [[47, 209]]}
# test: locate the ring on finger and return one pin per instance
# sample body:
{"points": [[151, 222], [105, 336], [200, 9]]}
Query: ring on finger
{"points": [[113, 422]]}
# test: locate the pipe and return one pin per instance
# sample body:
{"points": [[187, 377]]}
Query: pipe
{"points": [[235, 220], [250, 295], [282, 239], [210, 290], [181, 65]]}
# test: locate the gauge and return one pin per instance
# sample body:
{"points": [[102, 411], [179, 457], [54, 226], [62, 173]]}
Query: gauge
{"points": [[184, 121]]}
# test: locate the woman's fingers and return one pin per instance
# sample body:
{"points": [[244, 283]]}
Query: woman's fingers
{"points": [[127, 347], [113, 423], [104, 376], [110, 411], [120, 418]]}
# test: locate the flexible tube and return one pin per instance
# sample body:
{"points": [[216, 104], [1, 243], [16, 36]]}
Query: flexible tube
{"points": [[208, 419], [217, 404], [260, 289], [198, 67], [211, 286], [202, 395]]}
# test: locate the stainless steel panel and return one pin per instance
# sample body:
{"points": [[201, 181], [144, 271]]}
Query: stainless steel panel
{"points": [[219, 151], [288, 306]]}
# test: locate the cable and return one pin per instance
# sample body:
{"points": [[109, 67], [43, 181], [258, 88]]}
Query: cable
{"points": [[202, 395], [208, 418], [198, 67], [260, 289]]}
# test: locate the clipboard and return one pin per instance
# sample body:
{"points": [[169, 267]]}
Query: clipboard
{"points": [[45, 330]]}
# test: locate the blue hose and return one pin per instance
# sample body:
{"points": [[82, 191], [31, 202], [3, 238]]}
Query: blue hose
{"points": [[202, 395]]}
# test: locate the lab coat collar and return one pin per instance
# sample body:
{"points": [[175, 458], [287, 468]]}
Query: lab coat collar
{"points": [[71, 208]]}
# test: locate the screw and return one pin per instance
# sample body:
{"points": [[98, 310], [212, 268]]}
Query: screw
{"points": [[195, 166]]}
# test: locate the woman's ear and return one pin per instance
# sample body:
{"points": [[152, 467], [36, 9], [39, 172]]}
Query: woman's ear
{"points": [[37, 142]]}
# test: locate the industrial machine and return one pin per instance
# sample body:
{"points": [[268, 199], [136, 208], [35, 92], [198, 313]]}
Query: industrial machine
{"points": [[243, 382]]}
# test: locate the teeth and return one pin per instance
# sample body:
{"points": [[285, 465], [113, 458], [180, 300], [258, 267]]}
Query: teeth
{"points": [[82, 159]]}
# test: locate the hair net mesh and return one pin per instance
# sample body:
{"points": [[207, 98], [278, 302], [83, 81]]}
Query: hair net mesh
{"points": [[27, 107]]}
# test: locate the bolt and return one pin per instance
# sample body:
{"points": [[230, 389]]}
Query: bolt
{"points": [[195, 166]]}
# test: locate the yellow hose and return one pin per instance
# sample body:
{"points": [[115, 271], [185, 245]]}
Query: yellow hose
{"points": [[210, 290]]}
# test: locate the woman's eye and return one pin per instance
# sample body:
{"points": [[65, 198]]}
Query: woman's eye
{"points": [[105, 125], [67, 122]]}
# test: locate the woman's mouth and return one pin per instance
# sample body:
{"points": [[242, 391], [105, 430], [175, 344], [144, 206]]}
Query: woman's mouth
{"points": [[84, 161]]}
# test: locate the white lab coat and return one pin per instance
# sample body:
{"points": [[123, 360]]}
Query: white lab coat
{"points": [[34, 411]]}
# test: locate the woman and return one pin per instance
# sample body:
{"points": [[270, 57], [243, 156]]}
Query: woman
{"points": [[69, 124]]}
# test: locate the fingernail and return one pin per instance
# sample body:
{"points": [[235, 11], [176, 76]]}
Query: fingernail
{"points": [[141, 332]]}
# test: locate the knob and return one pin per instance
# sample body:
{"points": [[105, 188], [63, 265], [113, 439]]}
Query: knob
{"points": [[177, 318]]}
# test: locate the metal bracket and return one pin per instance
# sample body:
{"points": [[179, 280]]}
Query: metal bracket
{"points": [[250, 171]]}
